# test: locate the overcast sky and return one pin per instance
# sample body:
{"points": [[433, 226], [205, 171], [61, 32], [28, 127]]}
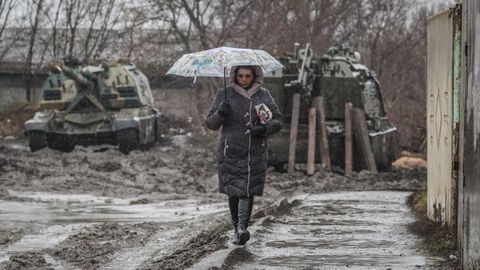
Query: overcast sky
{"points": [[433, 2]]}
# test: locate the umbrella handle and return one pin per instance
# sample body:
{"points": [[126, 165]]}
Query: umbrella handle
{"points": [[225, 82]]}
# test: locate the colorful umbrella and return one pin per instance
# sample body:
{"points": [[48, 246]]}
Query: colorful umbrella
{"points": [[217, 62]]}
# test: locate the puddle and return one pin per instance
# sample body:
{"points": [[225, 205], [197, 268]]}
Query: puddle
{"points": [[68, 209], [20, 147], [57, 216], [66, 198], [353, 230]]}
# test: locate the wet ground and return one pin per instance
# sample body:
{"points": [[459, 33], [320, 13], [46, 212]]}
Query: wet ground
{"points": [[59, 223], [352, 230], [95, 208]]}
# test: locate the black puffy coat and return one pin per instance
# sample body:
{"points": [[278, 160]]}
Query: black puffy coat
{"points": [[242, 158]]}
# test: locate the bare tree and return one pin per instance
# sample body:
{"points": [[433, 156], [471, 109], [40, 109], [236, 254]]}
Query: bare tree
{"points": [[75, 11], [111, 12], [6, 7], [36, 10], [206, 23]]}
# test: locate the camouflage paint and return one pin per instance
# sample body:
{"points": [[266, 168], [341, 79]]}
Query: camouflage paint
{"points": [[339, 78], [93, 99]]}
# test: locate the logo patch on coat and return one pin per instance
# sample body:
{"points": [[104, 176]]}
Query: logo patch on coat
{"points": [[264, 113]]}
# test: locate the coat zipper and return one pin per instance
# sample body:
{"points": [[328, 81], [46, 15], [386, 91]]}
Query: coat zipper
{"points": [[225, 147], [249, 146]]}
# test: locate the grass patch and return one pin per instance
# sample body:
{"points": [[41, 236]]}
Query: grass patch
{"points": [[418, 202], [438, 239]]}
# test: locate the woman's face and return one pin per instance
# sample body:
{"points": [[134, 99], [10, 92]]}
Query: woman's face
{"points": [[244, 77]]}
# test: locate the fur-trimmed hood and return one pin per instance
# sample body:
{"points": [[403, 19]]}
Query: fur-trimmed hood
{"points": [[255, 86]]}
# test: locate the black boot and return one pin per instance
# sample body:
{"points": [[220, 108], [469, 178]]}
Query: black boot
{"points": [[245, 206], [233, 205]]}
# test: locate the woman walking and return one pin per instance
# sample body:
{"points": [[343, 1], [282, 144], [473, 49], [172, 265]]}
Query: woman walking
{"points": [[247, 115]]}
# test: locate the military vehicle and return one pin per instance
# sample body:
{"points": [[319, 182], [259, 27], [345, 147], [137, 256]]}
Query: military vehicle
{"points": [[339, 78], [94, 103]]}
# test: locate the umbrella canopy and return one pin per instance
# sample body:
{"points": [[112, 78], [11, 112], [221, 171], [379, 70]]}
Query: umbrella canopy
{"points": [[216, 62]]}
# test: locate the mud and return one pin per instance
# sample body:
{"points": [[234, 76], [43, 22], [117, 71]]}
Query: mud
{"points": [[70, 223], [95, 208], [185, 167], [402, 179], [347, 230], [103, 171], [96, 245], [209, 239], [10, 236], [28, 261]]}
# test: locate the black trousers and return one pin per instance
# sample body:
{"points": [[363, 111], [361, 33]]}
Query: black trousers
{"points": [[240, 211]]}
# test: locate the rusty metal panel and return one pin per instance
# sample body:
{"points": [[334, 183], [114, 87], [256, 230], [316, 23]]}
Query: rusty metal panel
{"points": [[461, 139], [440, 117], [456, 14], [471, 158]]}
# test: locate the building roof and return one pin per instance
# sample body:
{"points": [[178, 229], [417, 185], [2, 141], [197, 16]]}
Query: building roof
{"points": [[7, 67]]}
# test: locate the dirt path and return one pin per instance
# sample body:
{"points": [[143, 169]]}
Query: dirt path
{"points": [[352, 230]]}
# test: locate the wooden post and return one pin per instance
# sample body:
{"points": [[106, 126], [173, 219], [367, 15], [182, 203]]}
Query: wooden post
{"points": [[312, 120], [361, 137], [348, 139], [293, 132], [322, 129]]}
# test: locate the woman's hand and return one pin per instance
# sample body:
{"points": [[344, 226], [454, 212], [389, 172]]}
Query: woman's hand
{"points": [[224, 110], [259, 130]]}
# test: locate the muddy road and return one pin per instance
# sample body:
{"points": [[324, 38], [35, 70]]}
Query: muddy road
{"points": [[95, 208], [346, 230]]}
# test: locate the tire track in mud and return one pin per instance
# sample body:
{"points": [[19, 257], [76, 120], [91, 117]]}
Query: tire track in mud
{"points": [[46, 238], [133, 257], [95, 246], [208, 239], [165, 245], [211, 238], [111, 244]]}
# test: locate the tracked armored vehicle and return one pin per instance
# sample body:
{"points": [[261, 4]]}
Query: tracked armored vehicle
{"points": [[95, 103], [339, 78]]}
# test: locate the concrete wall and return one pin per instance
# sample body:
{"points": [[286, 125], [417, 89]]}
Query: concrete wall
{"points": [[12, 90], [176, 104], [186, 105], [441, 188], [470, 229], [9, 95]]}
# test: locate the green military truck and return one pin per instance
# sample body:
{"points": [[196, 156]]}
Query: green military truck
{"points": [[94, 103], [339, 78]]}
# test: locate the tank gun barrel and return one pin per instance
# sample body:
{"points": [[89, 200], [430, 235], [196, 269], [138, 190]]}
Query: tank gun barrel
{"points": [[306, 58], [77, 77], [58, 66]]}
